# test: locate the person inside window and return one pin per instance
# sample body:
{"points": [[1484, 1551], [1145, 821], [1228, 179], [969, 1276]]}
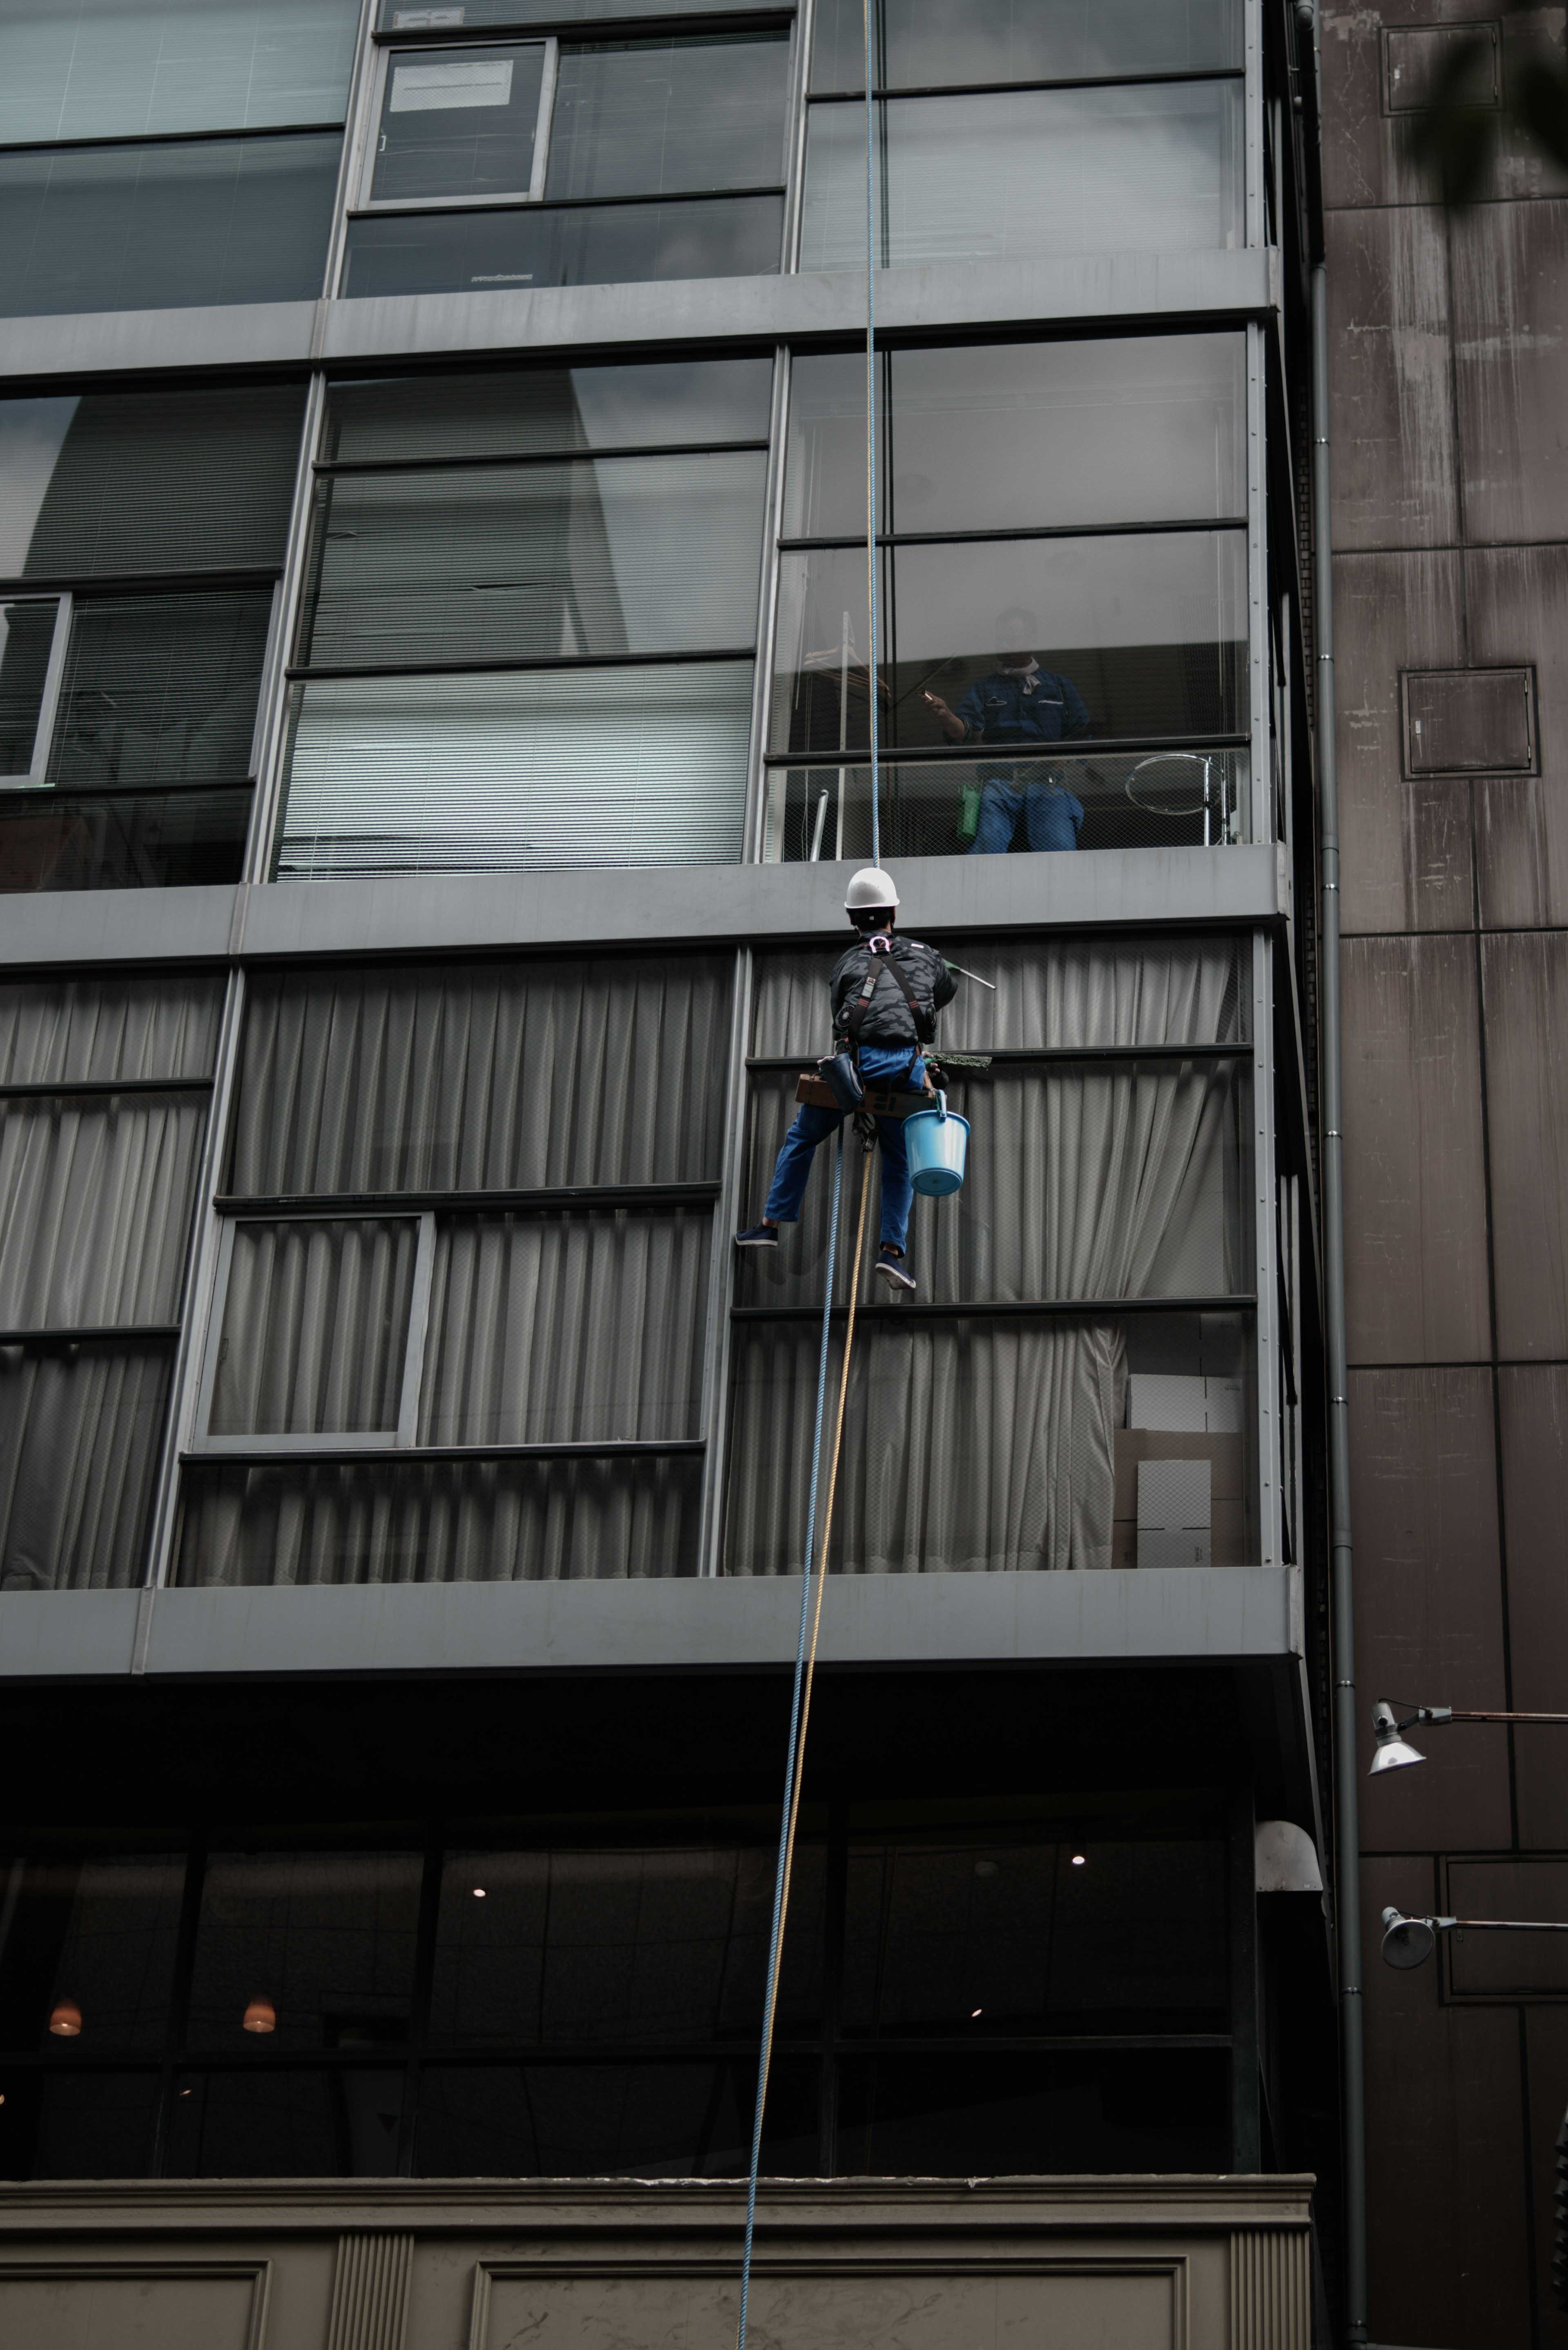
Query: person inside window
{"points": [[1018, 703]]}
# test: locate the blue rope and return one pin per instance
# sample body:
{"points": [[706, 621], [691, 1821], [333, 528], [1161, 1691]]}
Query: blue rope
{"points": [[776, 1937], [871, 430]]}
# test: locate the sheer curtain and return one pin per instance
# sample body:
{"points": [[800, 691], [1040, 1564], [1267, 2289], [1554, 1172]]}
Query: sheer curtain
{"points": [[94, 1207], [315, 1327], [78, 1441], [990, 1444], [489, 1076]]}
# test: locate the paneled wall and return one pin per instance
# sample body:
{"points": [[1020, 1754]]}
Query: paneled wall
{"points": [[1450, 515]]}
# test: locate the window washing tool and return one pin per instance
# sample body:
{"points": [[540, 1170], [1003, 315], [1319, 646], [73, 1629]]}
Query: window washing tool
{"points": [[935, 1141]]}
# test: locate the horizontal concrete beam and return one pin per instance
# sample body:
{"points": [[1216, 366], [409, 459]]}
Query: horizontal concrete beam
{"points": [[1116, 289], [1211, 1615], [1117, 888]]}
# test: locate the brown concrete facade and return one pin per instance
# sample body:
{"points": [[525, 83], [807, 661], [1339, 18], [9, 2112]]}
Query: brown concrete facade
{"points": [[1449, 424], [1064, 2263]]}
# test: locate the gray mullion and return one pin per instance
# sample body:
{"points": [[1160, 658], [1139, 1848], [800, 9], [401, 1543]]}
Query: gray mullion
{"points": [[379, 1446], [716, 1350], [141, 582], [837, 541], [1083, 1309], [271, 732], [1069, 747], [335, 1204], [96, 1333], [330, 468], [78, 1088], [429, 207], [1023, 1056], [1006, 89], [419, 1319], [522, 665]]}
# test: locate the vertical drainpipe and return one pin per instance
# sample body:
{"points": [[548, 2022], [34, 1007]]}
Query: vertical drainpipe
{"points": [[1346, 1791]]}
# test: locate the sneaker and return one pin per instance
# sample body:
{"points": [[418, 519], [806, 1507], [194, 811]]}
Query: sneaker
{"points": [[894, 1270], [758, 1236]]}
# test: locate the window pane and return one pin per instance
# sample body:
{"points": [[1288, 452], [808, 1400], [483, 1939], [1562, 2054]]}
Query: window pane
{"points": [[127, 841], [468, 1522], [977, 1938], [615, 1945], [1029, 172], [69, 1029], [973, 2117], [458, 122], [80, 2125], [537, 412], [345, 2124], [89, 1943], [566, 1329], [924, 43], [997, 1446], [604, 2121], [1013, 435], [164, 481], [27, 641], [79, 1432], [597, 244], [314, 1328], [1141, 636], [1149, 990], [1134, 799], [325, 1938], [624, 554], [160, 689], [653, 117], [495, 774], [94, 1207], [489, 1076], [130, 69], [1124, 1180], [156, 228]]}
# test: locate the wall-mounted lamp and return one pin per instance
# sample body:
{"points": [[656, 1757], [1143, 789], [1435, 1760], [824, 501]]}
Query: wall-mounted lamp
{"points": [[1394, 1749], [1410, 1942], [66, 2019], [260, 2015]]}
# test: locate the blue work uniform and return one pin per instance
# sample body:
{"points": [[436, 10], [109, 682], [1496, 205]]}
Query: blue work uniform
{"points": [[879, 1065], [1022, 706]]}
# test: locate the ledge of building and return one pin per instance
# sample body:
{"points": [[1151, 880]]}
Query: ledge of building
{"points": [[1120, 889], [1208, 1615], [567, 2208], [1124, 287]]}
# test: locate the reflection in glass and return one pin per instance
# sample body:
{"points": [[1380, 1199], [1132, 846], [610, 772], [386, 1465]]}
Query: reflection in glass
{"points": [[538, 769], [1130, 799], [519, 1076], [27, 641], [1106, 2110], [458, 122], [1008, 436], [996, 1444], [100, 1933], [1149, 631], [100, 70], [81, 1425], [1064, 1156], [1018, 174], [314, 1328], [166, 227], [547, 411], [925, 44], [608, 2121], [592, 244], [160, 690], [657, 1946], [453, 1522], [575, 1328], [944, 1937], [127, 841], [79, 2124], [655, 117], [173, 480], [328, 1937], [629, 555], [290, 2124]]}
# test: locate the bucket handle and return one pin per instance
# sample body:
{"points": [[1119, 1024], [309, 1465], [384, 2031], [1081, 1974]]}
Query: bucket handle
{"points": [[942, 1106]]}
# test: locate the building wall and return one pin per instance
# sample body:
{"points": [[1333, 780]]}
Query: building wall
{"points": [[1450, 517]]}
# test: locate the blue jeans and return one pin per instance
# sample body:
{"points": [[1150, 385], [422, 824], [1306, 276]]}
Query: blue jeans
{"points": [[877, 1064], [1050, 816]]}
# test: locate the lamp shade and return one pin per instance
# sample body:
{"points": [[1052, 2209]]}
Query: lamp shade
{"points": [[1394, 1750], [260, 2015], [64, 2019], [1407, 1941]]}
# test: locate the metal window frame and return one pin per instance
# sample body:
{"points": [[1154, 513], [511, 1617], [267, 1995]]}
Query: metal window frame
{"points": [[385, 55], [37, 777]]}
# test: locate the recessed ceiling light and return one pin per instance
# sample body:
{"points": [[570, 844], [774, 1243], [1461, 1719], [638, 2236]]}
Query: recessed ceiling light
{"points": [[985, 1868], [1077, 1860], [479, 1892], [974, 2011]]}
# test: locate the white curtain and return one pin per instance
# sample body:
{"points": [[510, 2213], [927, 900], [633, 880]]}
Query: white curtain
{"points": [[316, 1326], [70, 1031], [78, 1444], [95, 1207]]}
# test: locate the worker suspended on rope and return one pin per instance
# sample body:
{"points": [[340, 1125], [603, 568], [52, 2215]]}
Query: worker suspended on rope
{"points": [[886, 992], [1018, 703]]}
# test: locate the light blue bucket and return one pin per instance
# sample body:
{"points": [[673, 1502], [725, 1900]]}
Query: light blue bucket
{"points": [[936, 1141]]}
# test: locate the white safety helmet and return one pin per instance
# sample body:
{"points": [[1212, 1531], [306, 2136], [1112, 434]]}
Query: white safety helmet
{"points": [[869, 889]]}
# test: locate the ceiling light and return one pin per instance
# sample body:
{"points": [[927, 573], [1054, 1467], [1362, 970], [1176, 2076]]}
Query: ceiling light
{"points": [[985, 1868], [1077, 1860], [479, 1892], [260, 2015], [974, 2011], [64, 2019]]}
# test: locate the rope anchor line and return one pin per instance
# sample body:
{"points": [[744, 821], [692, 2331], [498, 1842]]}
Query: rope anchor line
{"points": [[804, 1664]]}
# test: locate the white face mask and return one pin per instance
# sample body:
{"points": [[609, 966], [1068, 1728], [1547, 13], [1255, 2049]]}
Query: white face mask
{"points": [[1024, 668]]}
